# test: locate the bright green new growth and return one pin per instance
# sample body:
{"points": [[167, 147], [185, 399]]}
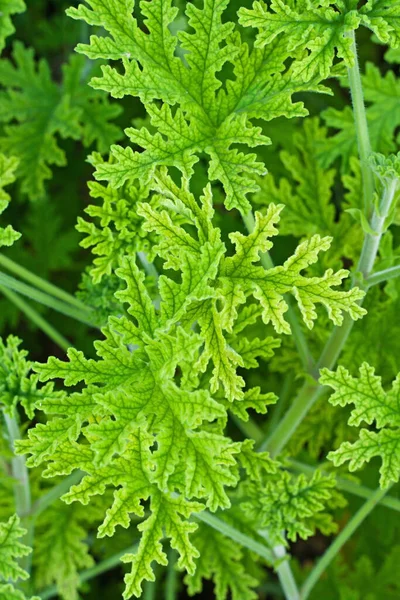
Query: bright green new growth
{"points": [[8, 166], [134, 396], [294, 505], [11, 549], [371, 405]]}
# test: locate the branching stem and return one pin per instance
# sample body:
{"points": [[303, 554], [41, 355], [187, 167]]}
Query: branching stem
{"points": [[40, 283], [339, 542], [310, 392], [382, 276]]}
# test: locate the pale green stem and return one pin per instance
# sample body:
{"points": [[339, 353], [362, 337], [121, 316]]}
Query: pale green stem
{"points": [[36, 318], [283, 570], [340, 541], [297, 332], [285, 575], [236, 535], [55, 493], [362, 132], [311, 391], [279, 407], [22, 490], [172, 581], [104, 566], [383, 276], [40, 283], [85, 316]]}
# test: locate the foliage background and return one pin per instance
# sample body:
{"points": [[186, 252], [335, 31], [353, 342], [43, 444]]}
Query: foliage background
{"points": [[50, 248]]}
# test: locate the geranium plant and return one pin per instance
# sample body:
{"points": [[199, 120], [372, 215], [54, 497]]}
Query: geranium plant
{"points": [[182, 411]]}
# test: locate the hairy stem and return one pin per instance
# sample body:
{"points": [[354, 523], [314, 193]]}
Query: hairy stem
{"points": [[22, 490], [360, 118], [172, 581], [297, 332], [284, 571], [36, 318], [382, 276], [339, 542]]}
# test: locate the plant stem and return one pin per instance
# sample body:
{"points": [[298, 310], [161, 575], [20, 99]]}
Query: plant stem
{"points": [[102, 567], [310, 392], [55, 493], [339, 542], [283, 570], [382, 276], [361, 123], [236, 535], [36, 318], [40, 283], [22, 490], [43, 298], [298, 335], [171, 582]]}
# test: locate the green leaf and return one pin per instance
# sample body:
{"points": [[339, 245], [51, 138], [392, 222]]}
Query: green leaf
{"points": [[207, 115], [18, 385], [61, 547], [11, 549], [383, 18], [313, 27], [371, 405], [37, 112], [7, 9], [8, 166], [220, 560], [382, 97], [296, 505]]}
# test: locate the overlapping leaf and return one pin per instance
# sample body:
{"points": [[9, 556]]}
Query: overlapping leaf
{"points": [[36, 111], [371, 405]]}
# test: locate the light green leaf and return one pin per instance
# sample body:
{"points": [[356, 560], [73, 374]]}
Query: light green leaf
{"points": [[371, 405]]}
